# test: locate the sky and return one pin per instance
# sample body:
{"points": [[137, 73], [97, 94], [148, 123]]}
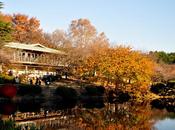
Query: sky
{"points": [[147, 25]]}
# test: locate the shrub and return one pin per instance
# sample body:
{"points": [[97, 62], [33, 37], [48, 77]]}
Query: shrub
{"points": [[163, 103], [95, 90], [8, 90], [10, 125], [7, 107], [118, 96], [26, 89], [65, 104], [171, 84], [158, 103], [7, 125], [6, 79], [158, 88], [101, 89], [66, 93], [93, 104]]}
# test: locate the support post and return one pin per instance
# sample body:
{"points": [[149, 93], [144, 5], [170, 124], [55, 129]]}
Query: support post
{"points": [[0, 67], [26, 69]]}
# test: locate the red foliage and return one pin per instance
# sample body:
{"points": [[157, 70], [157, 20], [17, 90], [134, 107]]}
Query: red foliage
{"points": [[7, 108], [8, 90]]}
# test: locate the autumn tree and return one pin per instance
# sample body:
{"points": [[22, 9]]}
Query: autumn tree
{"points": [[85, 41], [60, 39], [81, 34], [125, 116], [26, 29], [100, 43], [126, 68]]}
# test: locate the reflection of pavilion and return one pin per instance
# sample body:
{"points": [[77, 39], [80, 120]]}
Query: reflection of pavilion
{"points": [[33, 57]]}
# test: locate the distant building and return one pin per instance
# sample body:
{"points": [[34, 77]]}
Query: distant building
{"points": [[33, 58]]}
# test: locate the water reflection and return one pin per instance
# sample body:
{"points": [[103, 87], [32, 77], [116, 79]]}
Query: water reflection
{"points": [[7, 108], [166, 124], [164, 103], [51, 115]]}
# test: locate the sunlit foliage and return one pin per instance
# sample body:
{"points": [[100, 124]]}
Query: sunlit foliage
{"points": [[85, 40], [123, 66], [26, 29], [88, 52]]}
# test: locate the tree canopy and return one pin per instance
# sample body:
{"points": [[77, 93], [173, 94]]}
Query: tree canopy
{"points": [[5, 32], [26, 29], [1, 5], [163, 57], [88, 51], [122, 66], [5, 28]]}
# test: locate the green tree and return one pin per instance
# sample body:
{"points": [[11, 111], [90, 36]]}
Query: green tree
{"points": [[171, 57], [5, 32], [163, 57], [1, 5], [5, 29]]}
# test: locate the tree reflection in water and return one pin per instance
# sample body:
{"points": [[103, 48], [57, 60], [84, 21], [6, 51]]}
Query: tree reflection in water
{"points": [[126, 116], [91, 116]]}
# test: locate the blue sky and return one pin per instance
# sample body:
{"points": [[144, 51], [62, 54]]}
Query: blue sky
{"points": [[142, 24]]}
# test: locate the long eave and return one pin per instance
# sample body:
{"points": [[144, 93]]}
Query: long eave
{"points": [[33, 47]]}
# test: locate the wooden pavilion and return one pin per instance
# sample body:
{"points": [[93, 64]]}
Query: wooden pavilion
{"points": [[33, 58]]}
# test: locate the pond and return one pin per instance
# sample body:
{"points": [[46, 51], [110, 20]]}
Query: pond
{"points": [[97, 115]]}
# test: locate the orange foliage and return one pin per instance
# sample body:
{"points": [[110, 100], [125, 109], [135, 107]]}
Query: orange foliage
{"points": [[126, 116], [85, 42], [26, 29], [122, 66], [5, 18]]}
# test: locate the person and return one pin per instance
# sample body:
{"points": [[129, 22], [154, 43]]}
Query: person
{"points": [[37, 81], [47, 82], [17, 80], [10, 73], [66, 75], [30, 81], [46, 112]]}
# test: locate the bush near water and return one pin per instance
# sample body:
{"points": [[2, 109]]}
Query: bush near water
{"points": [[163, 89]]}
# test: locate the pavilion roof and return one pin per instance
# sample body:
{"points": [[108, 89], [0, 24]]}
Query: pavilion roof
{"points": [[33, 47]]}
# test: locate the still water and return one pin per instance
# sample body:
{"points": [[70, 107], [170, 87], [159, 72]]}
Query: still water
{"points": [[91, 115]]}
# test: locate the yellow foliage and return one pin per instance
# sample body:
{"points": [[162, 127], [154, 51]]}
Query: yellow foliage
{"points": [[122, 66]]}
